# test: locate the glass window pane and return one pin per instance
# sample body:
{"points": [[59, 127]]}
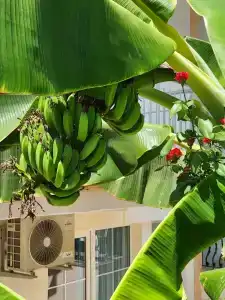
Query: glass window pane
{"points": [[80, 250], [121, 247], [57, 293], [76, 291], [76, 273], [103, 251], [104, 287], [118, 276], [55, 277]]}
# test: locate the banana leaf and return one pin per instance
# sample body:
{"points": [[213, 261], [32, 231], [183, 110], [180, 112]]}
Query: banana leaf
{"points": [[213, 282], [214, 21], [12, 110], [204, 49], [8, 294], [196, 222], [52, 46], [126, 151]]}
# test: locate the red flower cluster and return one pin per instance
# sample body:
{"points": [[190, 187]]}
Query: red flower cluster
{"points": [[174, 154], [181, 77], [222, 121], [206, 140]]}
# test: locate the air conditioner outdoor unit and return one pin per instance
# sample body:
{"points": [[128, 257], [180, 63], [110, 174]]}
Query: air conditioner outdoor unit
{"points": [[44, 242]]}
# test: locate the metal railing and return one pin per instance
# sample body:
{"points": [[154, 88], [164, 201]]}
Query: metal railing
{"points": [[212, 257]]}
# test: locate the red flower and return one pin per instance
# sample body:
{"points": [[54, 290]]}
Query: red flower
{"points": [[222, 121], [174, 154], [206, 140], [181, 77]]}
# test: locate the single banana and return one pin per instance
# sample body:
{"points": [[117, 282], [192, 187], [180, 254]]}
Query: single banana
{"points": [[98, 124], [49, 141], [91, 118], [71, 181], [78, 110], [68, 123], [67, 156], [61, 103], [83, 127], [48, 113], [71, 102], [39, 155], [82, 165], [97, 154], [136, 128], [118, 110], [32, 145], [23, 163], [48, 166], [99, 165], [57, 119], [57, 150], [60, 173], [24, 148], [74, 162], [130, 119], [90, 145], [110, 92], [56, 201]]}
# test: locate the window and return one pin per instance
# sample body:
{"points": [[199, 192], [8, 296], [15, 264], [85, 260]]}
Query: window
{"points": [[112, 255], [70, 284]]}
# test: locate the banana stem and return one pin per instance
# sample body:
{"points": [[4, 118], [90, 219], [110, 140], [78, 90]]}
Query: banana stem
{"points": [[153, 77], [212, 96]]}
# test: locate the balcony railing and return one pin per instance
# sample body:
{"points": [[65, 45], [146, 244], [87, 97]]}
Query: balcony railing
{"points": [[212, 257]]}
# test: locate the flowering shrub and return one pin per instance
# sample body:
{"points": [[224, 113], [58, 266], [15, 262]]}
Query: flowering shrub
{"points": [[203, 144]]}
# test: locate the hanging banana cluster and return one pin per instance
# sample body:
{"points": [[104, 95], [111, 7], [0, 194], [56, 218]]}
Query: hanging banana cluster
{"points": [[123, 112], [61, 143]]}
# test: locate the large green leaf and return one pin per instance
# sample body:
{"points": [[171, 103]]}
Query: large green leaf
{"points": [[214, 21], [8, 294], [204, 49], [213, 282], [151, 10], [54, 46], [193, 224], [127, 153], [146, 185], [12, 109]]}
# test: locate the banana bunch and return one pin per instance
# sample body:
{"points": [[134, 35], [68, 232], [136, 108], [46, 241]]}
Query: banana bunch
{"points": [[61, 145], [123, 112]]}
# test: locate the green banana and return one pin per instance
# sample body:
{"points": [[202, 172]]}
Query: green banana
{"points": [[22, 135], [48, 167], [61, 103], [67, 156], [83, 127], [91, 118], [90, 145], [39, 157], [78, 110], [71, 181], [47, 139], [60, 173], [24, 148], [118, 110], [31, 153], [57, 119], [74, 162], [110, 92], [97, 154], [48, 113], [99, 165], [136, 128], [23, 163], [71, 102], [98, 124], [130, 119], [68, 123], [81, 165], [41, 103], [56, 201], [57, 151]]}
